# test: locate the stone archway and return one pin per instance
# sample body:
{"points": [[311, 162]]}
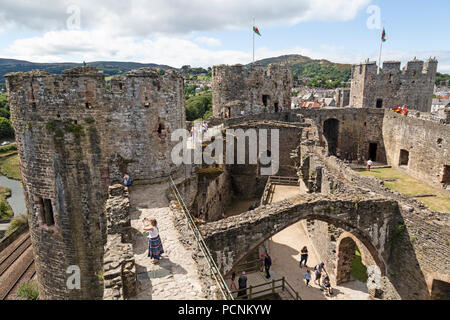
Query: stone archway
{"points": [[331, 134], [345, 256]]}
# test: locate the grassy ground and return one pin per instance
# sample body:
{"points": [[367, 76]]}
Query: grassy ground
{"points": [[359, 271], [9, 162], [411, 187], [5, 210]]}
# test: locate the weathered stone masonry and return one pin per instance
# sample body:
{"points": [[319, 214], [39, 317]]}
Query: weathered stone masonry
{"points": [[257, 90], [75, 137], [412, 86]]}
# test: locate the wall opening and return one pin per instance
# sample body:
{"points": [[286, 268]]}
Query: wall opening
{"points": [[46, 212], [331, 133], [349, 263], [373, 148], [275, 105], [379, 103], [265, 99], [404, 158], [440, 290]]}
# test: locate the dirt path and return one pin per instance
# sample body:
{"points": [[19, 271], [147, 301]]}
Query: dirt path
{"points": [[175, 277]]}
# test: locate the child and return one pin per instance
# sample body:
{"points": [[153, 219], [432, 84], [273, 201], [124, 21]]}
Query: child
{"points": [[327, 285], [307, 277], [155, 248], [233, 282]]}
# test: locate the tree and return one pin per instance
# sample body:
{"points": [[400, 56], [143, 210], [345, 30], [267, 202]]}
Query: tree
{"points": [[6, 130], [198, 105]]}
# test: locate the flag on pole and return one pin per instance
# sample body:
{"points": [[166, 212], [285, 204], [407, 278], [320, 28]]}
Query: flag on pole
{"points": [[383, 36], [256, 30]]}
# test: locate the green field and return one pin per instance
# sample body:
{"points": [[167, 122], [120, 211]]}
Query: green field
{"points": [[411, 187]]}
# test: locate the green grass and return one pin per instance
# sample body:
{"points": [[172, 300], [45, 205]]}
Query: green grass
{"points": [[9, 166], [359, 271], [28, 291], [411, 187], [5, 210], [17, 222]]}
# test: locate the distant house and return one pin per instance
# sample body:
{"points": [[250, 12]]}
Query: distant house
{"points": [[438, 104]]}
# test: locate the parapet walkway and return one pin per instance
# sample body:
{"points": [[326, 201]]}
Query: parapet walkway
{"points": [[175, 277]]}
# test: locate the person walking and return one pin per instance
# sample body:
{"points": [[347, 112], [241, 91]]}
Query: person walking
{"points": [[267, 265], [233, 282], [318, 269], [303, 256], [261, 262], [327, 284], [242, 286], [127, 180], [307, 277], [155, 248]]}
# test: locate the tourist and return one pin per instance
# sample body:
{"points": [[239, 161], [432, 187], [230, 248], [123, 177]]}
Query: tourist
{"points": [[369, 164], [224, 215], [350, 159], [267, 265], [255, 205], [261, 262], [338, 155], [318, 269], [127, 180], [303, 255], [251, 208], [155, 248], [242, 286], [307, 277], [233, 282], [327, 285]]}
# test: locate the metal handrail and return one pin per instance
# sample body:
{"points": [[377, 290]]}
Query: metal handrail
{"points": [[226, 293]]}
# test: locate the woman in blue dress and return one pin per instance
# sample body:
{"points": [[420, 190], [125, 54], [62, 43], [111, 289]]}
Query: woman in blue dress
{"points": [[155, 248]]}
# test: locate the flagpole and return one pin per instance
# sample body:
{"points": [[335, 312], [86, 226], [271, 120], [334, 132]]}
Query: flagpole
{"points": [[253, 32], [381, 48]]}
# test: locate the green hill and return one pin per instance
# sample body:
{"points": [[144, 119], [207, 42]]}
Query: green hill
{"points": [[321, 73]]}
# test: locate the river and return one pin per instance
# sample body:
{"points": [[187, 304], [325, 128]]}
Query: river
{"points": [[17, 199]]}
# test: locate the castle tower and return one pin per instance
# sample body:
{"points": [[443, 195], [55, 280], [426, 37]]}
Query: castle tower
{"points": [[413, 86], [70, 131], [250, 90]]}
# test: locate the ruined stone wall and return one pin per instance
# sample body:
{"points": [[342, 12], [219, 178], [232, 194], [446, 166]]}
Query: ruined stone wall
{"points": [[119, 273], [427, 142], [252, 90], [358, 128], [214, 194], [74, 138], [418, 240], [246, 178], [412, 86]]}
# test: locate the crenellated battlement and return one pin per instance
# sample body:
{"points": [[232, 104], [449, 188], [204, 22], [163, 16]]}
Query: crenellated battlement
{"points": [[413, 85]]}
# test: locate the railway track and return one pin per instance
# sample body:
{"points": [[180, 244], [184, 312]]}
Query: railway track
{"points": [[16, 267]]}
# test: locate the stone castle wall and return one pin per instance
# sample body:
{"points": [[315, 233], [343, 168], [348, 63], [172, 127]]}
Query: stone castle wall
{"points": [[75, 137], [412, 86], [427, 142], [251, 90]]}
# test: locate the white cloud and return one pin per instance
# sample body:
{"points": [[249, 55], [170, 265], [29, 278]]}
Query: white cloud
{"points": [[156, 17], [59, 46], [211, 42]]}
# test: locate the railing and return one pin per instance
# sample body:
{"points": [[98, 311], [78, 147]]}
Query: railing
{"points": [[225, 291], [269, 188], [291, 181], [284, 285]]}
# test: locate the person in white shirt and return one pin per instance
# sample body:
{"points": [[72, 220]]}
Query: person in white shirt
{"points": [[155, 248], [369, 164]]}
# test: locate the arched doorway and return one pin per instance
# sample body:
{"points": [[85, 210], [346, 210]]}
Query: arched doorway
{"points": [[350, 262], [331, 133], [440, 290]]}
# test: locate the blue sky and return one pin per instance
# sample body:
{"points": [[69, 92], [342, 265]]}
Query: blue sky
{"points": [[204, 33]]}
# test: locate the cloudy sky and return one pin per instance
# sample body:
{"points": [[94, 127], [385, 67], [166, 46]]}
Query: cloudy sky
{"points": [[208, 32]]}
